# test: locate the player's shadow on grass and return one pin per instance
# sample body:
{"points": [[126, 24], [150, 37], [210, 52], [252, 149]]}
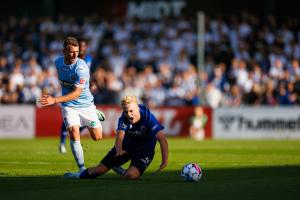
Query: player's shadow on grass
{"points": [[228, 174], [231, 174], [276, 182]]}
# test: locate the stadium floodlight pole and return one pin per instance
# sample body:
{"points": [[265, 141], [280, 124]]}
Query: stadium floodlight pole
{"points": [[200, 50]]}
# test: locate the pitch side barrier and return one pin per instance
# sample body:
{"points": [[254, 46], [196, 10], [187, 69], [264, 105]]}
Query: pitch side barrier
{"points": [[176, 120], [26, 121], [17, 121], [257, 123], [223, 123]]}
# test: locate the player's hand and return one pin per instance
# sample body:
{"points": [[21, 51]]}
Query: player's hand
{"points": [[120, 152], [162, 166], [46, 100]]}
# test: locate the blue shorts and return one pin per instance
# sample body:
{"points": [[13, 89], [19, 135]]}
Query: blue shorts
{"points": [[140, 161]]}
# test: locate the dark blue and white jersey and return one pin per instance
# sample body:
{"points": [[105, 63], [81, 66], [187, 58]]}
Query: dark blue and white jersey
{"points": [[140, 137], [76, 74]]}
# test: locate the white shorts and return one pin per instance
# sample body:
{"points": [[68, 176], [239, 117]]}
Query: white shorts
{"points": [[81, 117]]}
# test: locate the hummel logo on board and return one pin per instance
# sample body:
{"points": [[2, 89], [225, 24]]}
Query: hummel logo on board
{"points": [[227, 120]]}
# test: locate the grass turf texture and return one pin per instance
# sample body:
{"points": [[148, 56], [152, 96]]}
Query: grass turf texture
{"points": [[33, 169]]}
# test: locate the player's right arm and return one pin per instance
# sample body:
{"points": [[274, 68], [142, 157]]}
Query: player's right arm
{"points": [[118, 143], [47, 100]]}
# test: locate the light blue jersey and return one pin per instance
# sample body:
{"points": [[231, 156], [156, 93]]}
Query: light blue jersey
{"points": [[76, 74]]}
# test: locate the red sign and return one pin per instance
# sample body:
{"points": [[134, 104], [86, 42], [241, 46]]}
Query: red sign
{"points": [[176, 120]]}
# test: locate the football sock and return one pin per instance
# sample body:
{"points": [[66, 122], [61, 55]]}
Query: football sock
{"points": [[119, 170], [77, 153], [63, 134], [85, 174], [63, 137]]}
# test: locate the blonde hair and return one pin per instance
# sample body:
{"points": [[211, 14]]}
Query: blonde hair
{"points": [[128, 99]]}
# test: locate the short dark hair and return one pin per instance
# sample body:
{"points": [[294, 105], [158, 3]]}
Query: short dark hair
{"points": [[71, 41], [81, 39]]}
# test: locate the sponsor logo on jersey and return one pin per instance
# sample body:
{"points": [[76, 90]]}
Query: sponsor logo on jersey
{"points": [[82, 81], [66, 84]]}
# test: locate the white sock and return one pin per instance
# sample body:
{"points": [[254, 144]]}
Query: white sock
{"points": [[77, 153]]}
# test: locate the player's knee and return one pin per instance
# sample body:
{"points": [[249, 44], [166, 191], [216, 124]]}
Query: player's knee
{"points": [[131, 176], [97, 137], [74, 136]]}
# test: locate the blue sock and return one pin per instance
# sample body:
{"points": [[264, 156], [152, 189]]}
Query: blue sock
{"points": [[81, 128], [63, 134], [77, 153], [85, 174]]}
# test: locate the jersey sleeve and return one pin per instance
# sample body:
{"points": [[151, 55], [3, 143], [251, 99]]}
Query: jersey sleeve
{"points": [[82, 76], [122, 126], [155, 126]]}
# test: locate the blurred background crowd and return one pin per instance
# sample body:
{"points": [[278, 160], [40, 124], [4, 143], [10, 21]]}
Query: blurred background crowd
{"points": [[249, 59]]}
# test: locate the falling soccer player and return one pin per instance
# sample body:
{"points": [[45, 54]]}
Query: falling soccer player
{"points": [[137, 133]]}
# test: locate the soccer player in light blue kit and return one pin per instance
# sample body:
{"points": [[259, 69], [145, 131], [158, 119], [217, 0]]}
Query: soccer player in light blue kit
{"points": [[77, 102], [137, 134], [88, 59]]}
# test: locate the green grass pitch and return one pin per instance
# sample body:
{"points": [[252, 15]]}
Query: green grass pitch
{"points": [[232, 169]]}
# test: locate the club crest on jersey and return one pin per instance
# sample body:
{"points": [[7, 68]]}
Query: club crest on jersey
{"points": [[123, 125]]}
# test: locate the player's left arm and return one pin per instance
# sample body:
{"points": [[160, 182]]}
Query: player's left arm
{"points": [[163, 148]]}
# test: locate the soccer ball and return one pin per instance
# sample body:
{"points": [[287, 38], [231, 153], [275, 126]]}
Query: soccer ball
{"points": [[191, 172]]}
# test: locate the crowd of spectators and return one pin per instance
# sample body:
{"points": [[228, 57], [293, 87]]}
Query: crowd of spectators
{"points": [[249, 59]]}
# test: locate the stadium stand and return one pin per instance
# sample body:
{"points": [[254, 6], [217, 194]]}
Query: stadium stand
{"points": [[249, 59]]}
